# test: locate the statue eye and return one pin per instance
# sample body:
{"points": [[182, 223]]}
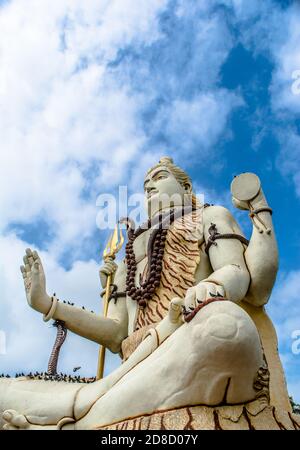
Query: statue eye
{"points": [[160, 177]]}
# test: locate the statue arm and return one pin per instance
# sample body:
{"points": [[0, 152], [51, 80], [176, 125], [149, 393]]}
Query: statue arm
{"points": [[227, 255], [108, 331]]}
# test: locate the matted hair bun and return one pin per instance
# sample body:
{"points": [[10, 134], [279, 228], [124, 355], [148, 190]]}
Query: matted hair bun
{"points": [[166, 160]]}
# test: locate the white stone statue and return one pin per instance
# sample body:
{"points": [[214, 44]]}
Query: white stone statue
{"points": [[181, 318]]}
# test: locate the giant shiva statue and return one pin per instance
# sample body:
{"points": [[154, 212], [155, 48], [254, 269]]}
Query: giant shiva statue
{"points": [[187, 316]]}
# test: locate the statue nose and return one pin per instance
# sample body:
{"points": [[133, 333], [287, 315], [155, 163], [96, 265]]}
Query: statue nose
{"points": [[150, 189]]}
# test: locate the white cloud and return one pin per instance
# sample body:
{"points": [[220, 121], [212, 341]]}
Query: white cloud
{"points": [[287, 59], [68, 117], [212, 40], [285, 93], [59, 122], [272, 30], [201, 120]]}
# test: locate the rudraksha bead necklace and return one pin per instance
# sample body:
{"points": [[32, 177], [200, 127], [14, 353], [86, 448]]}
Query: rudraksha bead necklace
{"points": [[156, 247], [146, 290]]}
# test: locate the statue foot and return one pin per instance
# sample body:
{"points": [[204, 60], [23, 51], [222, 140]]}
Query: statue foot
{"points": [[15, 421]]}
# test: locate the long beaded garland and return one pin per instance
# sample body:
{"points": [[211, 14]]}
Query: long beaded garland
{"points": [[156, 248]]}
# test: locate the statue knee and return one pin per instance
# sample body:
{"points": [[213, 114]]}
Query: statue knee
{"points": [[225, 333], [225, 321], [221, 326]]}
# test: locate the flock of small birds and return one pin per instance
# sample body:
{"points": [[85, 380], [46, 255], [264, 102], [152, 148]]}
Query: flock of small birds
{"points": [[48, 377], [72, 304]]}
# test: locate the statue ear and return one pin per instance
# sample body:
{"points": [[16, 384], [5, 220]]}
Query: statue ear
{"points": [[187, 187]]}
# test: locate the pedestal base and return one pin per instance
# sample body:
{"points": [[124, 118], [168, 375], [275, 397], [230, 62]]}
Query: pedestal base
{"points": [[256, 415]]}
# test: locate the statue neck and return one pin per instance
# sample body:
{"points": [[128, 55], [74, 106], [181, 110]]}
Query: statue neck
{"points": [[173, 212]]}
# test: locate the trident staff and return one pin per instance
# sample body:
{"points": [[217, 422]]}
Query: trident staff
{"points": [[113, 246]]}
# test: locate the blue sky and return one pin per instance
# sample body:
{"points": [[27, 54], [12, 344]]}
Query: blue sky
{"points": [[92, 94]]}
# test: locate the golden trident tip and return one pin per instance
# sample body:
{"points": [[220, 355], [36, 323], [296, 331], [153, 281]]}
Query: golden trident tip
{"points": [[114, 243]]}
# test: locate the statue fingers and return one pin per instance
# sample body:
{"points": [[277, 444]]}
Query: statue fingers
{"points": [[109, 259], [35, 256], [109, 268], [221, 291], [26, 264], [23, 271], [26, 278], [104, 270], [29, 256], [215, 290], [176, 303], [211, 293], [112, 266], [190, 299], [201, 293], [175, 309]]}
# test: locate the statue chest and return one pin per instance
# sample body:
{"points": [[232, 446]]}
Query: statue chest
{"points": [[140, 246], [180, 260]]}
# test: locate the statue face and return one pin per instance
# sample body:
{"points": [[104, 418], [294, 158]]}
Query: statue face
{"points": [[162, 190]]}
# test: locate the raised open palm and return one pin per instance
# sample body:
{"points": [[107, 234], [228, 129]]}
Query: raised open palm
{"points": [[35, 282]]}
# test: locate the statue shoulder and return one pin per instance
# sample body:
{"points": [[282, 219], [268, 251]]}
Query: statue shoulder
{"points": [[213, 213]]}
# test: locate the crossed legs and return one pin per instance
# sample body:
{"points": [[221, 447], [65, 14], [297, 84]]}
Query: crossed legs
{"points": [[211, 360]]}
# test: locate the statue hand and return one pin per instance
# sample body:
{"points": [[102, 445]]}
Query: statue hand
{"points": [[175, 310], [201, 292], [109, 268], [35, 282]]}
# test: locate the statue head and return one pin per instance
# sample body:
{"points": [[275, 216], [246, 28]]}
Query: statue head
{"points": [[166, 186]]}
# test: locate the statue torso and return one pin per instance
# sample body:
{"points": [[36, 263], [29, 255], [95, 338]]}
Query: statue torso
{"points": [[184, 264]]}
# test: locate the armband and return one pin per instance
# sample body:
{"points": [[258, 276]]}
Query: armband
{"points": [[214, 235]]}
